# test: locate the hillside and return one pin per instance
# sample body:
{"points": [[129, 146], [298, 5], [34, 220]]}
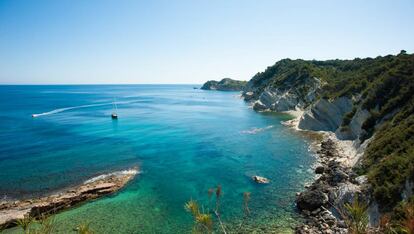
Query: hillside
{"points": [[225, 84], [369, 101]]}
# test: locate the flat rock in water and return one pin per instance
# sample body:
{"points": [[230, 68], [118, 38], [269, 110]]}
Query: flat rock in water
{"points": [[12, 211], [260, 179]]}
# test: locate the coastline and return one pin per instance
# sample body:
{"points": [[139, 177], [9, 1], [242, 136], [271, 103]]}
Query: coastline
{"points": [[96, 187], [348, 154], [333, 184]]}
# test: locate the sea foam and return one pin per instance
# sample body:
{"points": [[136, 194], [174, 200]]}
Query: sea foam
{"points": [[256, 130], [116, 173]]}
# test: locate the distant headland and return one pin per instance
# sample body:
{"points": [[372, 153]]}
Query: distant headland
{"points": [[225, 84]]}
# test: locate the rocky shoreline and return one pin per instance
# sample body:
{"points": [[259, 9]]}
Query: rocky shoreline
{"points": [[321, 204], [335, 184], [11, 211]]}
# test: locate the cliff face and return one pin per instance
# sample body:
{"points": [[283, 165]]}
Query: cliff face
{"points": [[324, 115], [285, 97], [225, 84], [369, 101]]}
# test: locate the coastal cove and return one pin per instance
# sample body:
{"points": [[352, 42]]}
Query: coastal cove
{"points": [[184, 141]]}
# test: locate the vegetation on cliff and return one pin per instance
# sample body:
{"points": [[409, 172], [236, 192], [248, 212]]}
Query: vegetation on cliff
{"points": [[225, 84], [384, 86]]}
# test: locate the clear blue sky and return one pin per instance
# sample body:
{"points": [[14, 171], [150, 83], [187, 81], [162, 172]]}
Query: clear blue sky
{"points": [[99, 41]]}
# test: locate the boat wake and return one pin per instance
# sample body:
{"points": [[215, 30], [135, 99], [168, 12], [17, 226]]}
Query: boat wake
{"points": [[133, 171], [76, 107], [67, 108], [256, 130]]}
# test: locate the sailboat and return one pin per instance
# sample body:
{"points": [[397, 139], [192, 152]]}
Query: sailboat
{"points": [[114, 114]]}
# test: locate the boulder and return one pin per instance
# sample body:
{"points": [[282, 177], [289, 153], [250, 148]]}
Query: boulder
{"points": [[361, 180], [339, 176], [311, 200], [248, 96], [259, 106], [319, 169]]}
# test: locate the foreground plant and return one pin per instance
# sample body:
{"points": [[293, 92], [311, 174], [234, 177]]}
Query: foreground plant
{"points": [[246, 210], [246, 199], [356, 216], [409, 222], [401, 223], [218, 196], [203, 221], [84, 228], [386, 226], [25, 223], [47, 225], [2, 228], [216, 212]]}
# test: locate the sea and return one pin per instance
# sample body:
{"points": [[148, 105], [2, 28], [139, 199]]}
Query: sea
{"points": [[183, 140]]}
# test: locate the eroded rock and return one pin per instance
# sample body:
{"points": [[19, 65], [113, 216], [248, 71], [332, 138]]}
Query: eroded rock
{"points": [[92, 189]]}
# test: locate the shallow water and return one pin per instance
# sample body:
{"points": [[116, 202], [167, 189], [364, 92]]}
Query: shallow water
{"points": [[185, 141]]}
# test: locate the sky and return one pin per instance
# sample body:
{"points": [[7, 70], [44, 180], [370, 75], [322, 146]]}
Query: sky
{"points": [[188, 41]]}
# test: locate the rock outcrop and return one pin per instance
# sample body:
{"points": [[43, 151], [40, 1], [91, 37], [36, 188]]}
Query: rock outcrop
{"points": [[92, 189], [366, 104], [354, 129], [225, 84], [285, 97], [325, 115], [336, 184]]}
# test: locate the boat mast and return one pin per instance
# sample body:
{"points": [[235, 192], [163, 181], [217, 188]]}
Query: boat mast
{"points": [[114, 106], [114, 110]]}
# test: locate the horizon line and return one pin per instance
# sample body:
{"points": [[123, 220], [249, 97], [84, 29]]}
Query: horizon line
{"points": [[17, 84]]}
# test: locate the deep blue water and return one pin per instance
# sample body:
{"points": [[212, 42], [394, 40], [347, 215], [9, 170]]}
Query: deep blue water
{"points": [[184, 140]]}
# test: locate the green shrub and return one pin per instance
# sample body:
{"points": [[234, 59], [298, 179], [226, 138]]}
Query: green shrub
{"points": [[356, 216], [348, 117]]}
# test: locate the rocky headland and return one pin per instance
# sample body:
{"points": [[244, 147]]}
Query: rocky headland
{"points": [[335, 182], [11, 211], [350, 104], [225, 84]]}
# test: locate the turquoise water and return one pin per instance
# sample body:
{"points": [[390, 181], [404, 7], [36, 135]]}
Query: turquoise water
{"points": [[184, 140]]}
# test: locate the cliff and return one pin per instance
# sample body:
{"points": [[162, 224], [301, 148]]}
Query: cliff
{"points": [[225, 84], [367, 101]]}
